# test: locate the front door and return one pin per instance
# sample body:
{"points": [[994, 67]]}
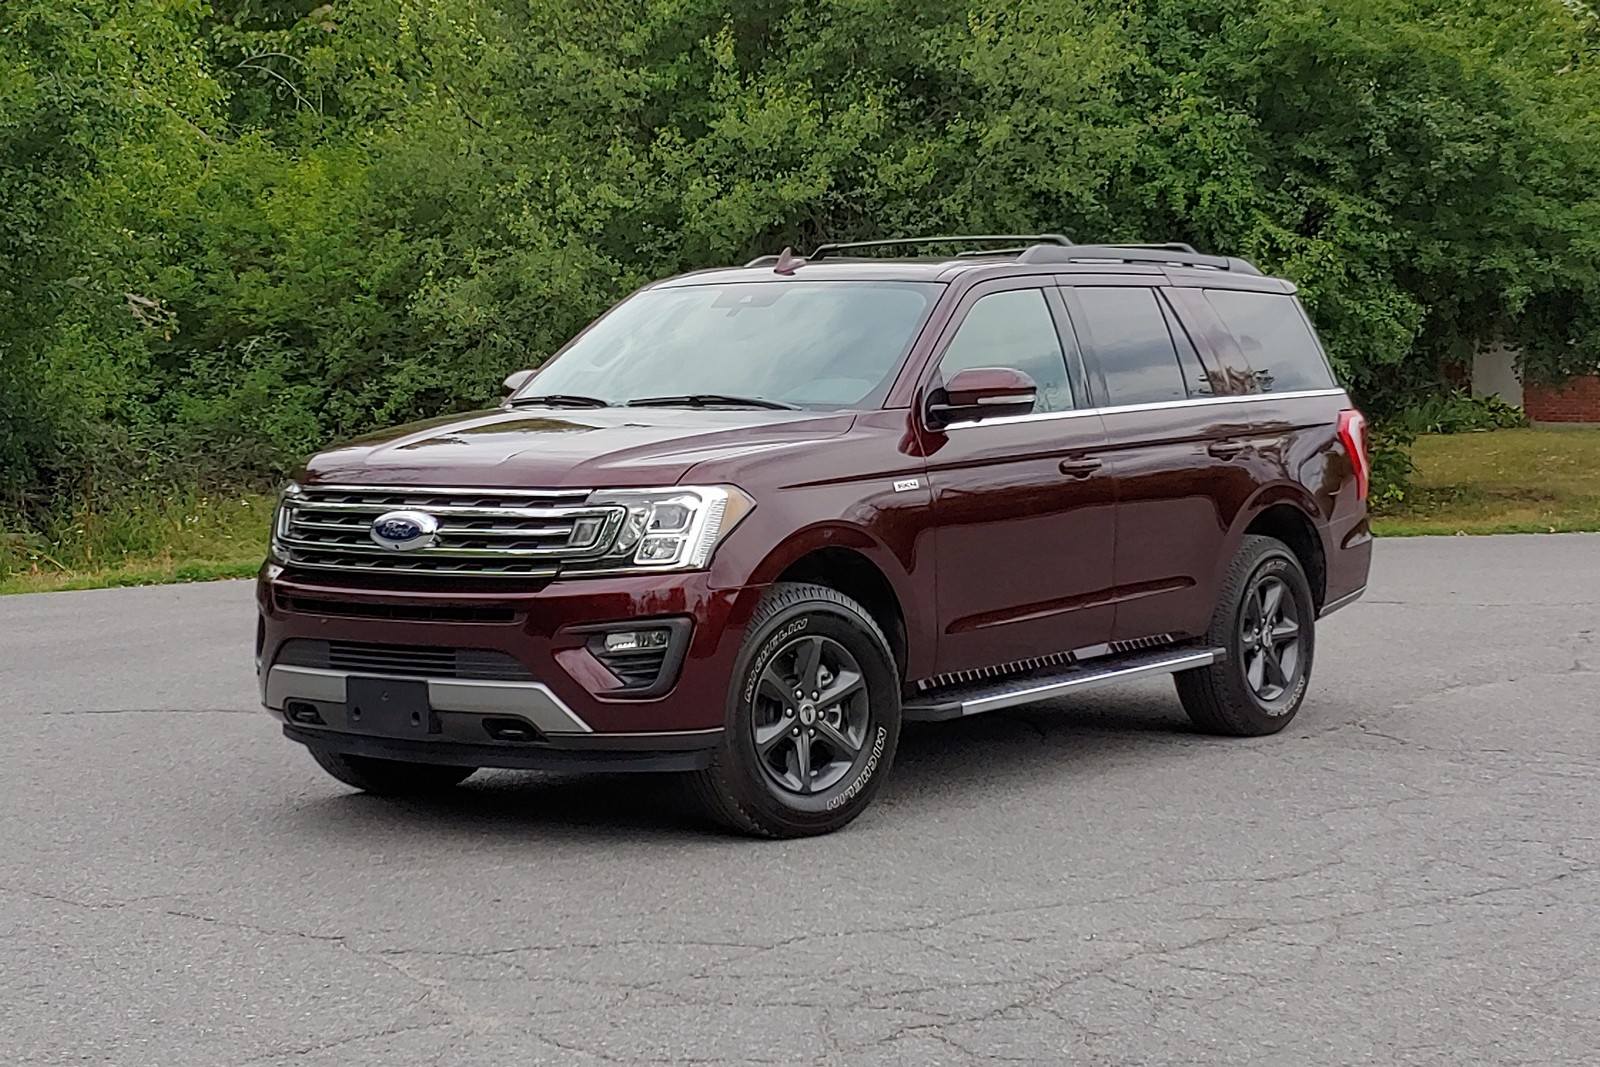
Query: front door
{"points": [[1023, 505]]}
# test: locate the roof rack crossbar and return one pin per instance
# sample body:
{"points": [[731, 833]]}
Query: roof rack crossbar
{"points": [[1165, 255], [1050, 239]]}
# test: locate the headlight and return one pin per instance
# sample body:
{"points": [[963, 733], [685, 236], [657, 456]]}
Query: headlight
{"points": [[275, 550], [671, 529]]}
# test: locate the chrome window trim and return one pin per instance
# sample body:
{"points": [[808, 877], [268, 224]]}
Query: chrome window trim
{"points": [[1199, 401]]}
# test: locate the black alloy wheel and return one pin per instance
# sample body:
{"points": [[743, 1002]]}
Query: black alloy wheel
{"points": [[812, 715], [1269, 638], [1264, 629]]}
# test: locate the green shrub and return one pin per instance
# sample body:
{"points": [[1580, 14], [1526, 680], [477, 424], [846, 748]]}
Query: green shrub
{"points": [[1389, 452], [1459, 411]]}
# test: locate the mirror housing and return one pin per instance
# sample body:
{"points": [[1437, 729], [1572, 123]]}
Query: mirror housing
{"points": [[983, 392], [517, 379]]}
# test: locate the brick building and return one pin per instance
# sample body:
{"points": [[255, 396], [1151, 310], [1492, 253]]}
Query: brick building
{"points": [[1577, 399]]}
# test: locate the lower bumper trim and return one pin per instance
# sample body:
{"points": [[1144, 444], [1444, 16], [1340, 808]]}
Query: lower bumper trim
{"points": [[1345, 601], [690, 751], [529, 700]]}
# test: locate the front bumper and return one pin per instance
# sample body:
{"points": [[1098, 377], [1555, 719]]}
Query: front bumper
{"points": [[568, 701], [666, 752]]}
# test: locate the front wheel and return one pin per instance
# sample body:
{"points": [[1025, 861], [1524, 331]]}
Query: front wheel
{"points": [[812, 720], [384, 777], [1266, 623]]}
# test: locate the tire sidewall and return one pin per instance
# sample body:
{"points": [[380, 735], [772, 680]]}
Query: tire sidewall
{"points": [[841, 803], [1273, 715]]}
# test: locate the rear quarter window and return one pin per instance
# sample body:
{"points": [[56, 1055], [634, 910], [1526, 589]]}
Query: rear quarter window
{"points": [[1128, 334], [1276, 340]]}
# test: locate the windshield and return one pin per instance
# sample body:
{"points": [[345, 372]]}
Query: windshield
{"points": [[809, 344]]}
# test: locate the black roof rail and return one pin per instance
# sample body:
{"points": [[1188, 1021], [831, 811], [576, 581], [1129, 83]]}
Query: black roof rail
{"points": [[1164, 255], [1168, 246], [1054, 240]]}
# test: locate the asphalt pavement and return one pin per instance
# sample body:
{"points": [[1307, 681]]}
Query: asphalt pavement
{"points": [[1408, 875]]}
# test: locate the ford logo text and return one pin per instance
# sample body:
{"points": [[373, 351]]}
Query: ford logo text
{"points": [[405, 531]]}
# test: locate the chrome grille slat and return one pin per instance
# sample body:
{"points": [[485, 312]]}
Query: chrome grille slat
{"points": [[451, 552], [443, 510], [499, 533], [445, 529]]}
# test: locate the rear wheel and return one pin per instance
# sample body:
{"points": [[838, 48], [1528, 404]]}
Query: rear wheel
{"points": [[384, 777], [812, 721], [1265, 620]]}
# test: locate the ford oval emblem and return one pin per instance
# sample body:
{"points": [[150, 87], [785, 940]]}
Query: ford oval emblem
{"points": [[405, 531]]}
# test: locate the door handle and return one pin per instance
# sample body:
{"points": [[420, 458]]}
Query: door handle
{"points": [[1226, 449], [1080, 468]]}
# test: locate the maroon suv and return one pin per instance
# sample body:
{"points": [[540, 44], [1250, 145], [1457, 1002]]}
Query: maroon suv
{"points": [[753, 519]]}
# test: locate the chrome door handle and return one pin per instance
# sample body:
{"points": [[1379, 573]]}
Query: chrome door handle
{"points": [[1226, 449], [1080, 468]]}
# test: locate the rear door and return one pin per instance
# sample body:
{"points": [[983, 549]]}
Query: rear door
{"points": [[1023, 505], [1177, 493]]}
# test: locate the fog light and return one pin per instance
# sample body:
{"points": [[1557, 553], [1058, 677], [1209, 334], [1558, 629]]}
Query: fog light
{"points": [[637, 640]]}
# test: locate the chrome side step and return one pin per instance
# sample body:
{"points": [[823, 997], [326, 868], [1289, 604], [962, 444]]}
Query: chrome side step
{"points": [[957, 702]]}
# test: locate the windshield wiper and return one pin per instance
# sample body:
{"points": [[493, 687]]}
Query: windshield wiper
{"points": [[709, 400], [561, 400]]}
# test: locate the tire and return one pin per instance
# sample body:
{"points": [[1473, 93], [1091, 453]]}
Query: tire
{"points": [[759, 783], [389, 778], [1258, 686]]}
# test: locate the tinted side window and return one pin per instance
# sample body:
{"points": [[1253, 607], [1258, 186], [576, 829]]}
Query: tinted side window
{"points": [[1129, 336], [1273, 335], [1013, 329], [1196, 376]]}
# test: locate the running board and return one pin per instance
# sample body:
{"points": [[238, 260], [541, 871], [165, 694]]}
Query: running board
{"points": [[959, 701]]}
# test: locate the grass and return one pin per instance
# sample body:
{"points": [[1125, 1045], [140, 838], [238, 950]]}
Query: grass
{"points": [[1541, 480], [1507, 481], [176, 537]]}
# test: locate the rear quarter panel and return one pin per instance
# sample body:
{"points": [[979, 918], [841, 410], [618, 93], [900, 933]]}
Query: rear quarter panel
{"points": [[1298, 459]]}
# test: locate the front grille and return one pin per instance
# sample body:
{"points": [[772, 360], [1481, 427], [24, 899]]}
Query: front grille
{"points": [[363, 609], [412, 660], [501, 533]]}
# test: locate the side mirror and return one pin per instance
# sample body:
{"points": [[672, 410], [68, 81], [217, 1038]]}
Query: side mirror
{"points": [[517, 379], [982, 392]]}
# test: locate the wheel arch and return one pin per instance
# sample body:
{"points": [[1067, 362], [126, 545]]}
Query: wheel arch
{"points": [[1288, 514], [850, 561]]}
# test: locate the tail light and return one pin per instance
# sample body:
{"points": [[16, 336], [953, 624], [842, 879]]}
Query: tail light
{"points": [[1353, 433]]}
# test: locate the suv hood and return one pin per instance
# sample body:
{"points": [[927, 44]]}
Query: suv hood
{"points": [[558, 448]]}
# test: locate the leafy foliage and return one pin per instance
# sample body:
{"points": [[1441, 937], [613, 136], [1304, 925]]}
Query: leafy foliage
{"points": [[230, 232], [1459, 411]]}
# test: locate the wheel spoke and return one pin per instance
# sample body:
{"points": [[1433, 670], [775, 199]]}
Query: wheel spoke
{"points": [[1271, 599], [1274, 668], [845, 685], [807, 662], [802, 757], [768, 736], [1286, 630], [774, 687], [843, 747], [1255, 668]]}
